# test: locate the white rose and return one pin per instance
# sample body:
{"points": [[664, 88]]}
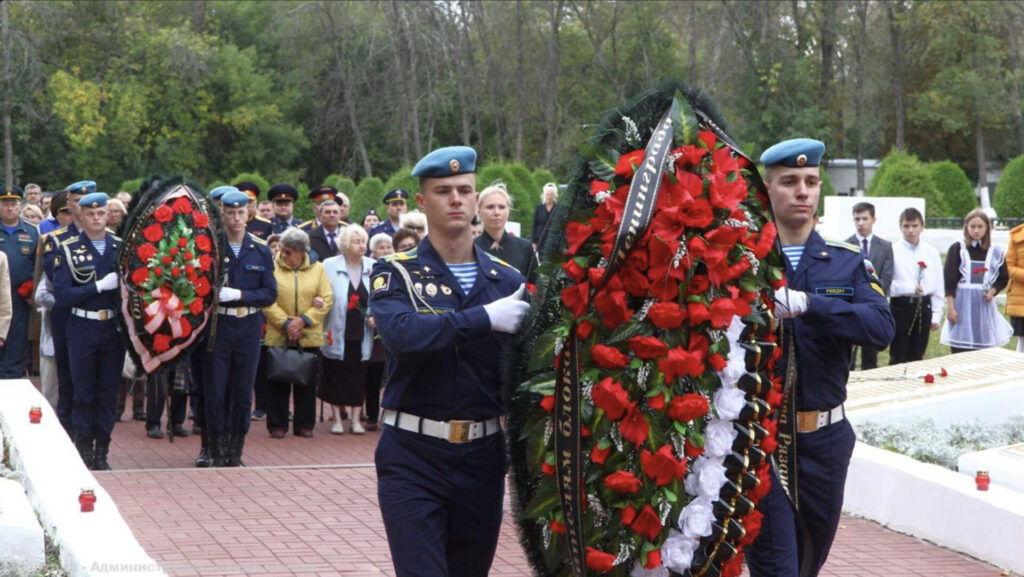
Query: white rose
{"points": [[639, 571], [718, 438], [677, 551], [696, 519], [712, 477], [729, 402]]}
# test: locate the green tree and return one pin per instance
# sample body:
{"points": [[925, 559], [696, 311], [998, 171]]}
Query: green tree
{"points": [[1009, 196], [953, 186], [255, 178], [894, 158], [403, 178], [542, 176], [368, 195], [907, 176]]}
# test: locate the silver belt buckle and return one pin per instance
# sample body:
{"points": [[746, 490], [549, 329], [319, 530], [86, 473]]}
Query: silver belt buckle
{"points": [[458, 431]]}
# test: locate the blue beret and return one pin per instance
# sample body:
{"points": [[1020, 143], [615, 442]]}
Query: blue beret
{"points": [[82, 187], [219, 192], [283, 190], [794, 153], [250, 188], [234, 198], [93, 200], [396, 194], [10, 191], [447, 161]]}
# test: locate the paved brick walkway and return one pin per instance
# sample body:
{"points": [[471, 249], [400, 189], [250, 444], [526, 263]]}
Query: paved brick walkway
{"points": [[308, 507]]}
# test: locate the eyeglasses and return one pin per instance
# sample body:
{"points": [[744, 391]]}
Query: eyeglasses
{"points": [[419, 228], [64, 210]]}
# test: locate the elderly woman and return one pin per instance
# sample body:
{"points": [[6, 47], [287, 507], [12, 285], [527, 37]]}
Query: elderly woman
{"points": [[542, 212], [405, 239], [415, 221], [380, 247], [494, 205], [304, 297], [349, 336], [116, 213]]}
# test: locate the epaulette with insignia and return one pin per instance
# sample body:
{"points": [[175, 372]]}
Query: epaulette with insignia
{"points": [[498, 260], [70, 240], [305, 225], [405, 255], [117, 238], [841, 244], [261, 219], [256, 239]]}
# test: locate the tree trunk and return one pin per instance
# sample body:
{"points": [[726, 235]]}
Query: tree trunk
{"points": [[400, 74], [520, 83], [5, 30], [895, 11], [493, 79], [550, 82], [692, 43], [198, 16], [979, 143], [862, 38], [1013, 49]]}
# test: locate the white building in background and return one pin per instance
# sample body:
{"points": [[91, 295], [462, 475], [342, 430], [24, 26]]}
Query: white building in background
{"points": [[843, 172]]}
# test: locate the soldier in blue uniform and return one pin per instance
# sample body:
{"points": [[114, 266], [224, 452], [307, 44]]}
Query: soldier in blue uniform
{"points": [[283, 196], [257, 225], [833, 301], [62, 311], [85, 278], [396, 200], [440, 309], [231, 366], [18, 240], [317, 196]]}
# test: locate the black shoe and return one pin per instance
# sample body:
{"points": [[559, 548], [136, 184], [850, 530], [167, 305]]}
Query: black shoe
{"points": [[179, 431], [85, 451], [154, 432], [219, 451], [197, 430], [100, 462], [204, 459], [139, 416], [234, 456]]}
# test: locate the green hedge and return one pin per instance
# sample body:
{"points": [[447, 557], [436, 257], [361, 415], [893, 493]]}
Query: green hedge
{"points": [[954, 187], [368, 194], [894, 157], [903, 174], [1009, 196]]}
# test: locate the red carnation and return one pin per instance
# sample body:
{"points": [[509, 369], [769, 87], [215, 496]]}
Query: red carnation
{"points": [[943, 372], [353, 301], [634, 427], [548, 403], [599, 455], [145, 252], [548, 469], [26, 288], [627, 515], [623, 482], [182, 242], [190, 271], [557, 527], [203, 243], [608, 357], [922, 264], [688, 407], [722, 311], [158, 271], [196, 306], [717, 361], [698, 313], [584, 329], [163, 214], [625, 166], [202, 287], [733, 567], [613, 308], [205, 261], [188, 255], [647, 347], [597, 186], [200, 220], [161, 343], [610, 397], [575, 298], [175, 272], [662, 466], [573, 270], [680, 362], [182, 205], [929, 378], [666, 315], [167, 260], [173, 250], [657, 402], [647, 523], [752, 526], [139, 276], [691, 450], [769, 443], [653, 559], [186, 328], [576, 233], [153, 232], [599, 560]]}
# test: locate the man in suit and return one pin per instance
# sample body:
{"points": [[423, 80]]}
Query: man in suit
{"points": [[879, 252], [324, 236]]}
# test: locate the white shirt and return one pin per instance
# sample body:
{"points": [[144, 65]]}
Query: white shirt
{"points": [[906, 272]]}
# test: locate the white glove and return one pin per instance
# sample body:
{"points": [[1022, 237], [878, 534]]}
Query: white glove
{"points": [[790, 304], [228, 294], [107, 283], [507, 313]]}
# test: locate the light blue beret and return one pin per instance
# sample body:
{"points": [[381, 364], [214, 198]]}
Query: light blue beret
{"points": [[794, 153], [447, 161], [82, 187], [234, 198], [93, 200], [220, 191]]}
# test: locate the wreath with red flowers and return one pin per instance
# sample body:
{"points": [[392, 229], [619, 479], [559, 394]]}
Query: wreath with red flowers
{"points": [[170, 262], [675, 356]]}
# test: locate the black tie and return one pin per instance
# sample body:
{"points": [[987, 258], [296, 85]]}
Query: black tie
{"points": [[334, 247], [864, 246]]}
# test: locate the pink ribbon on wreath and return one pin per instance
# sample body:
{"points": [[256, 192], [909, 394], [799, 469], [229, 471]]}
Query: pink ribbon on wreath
{"points": [[165, 306]]}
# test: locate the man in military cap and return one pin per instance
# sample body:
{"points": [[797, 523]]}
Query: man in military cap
{"points": [[832, 300], [318, 196], [257, 225], [18, 240], [443, 310], [231, 367], [396, 200], [85, 279], [283, 196]]}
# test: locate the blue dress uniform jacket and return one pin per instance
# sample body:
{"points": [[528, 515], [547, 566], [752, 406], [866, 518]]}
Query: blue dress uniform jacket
{"points": [[386, 227], [19, 245], [846, 307], [231, 367], [279, 225], [58, 324], [259, 227], [95, 351], [441, 501]]}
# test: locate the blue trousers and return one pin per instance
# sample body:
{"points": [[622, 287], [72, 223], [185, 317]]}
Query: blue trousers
{"points": [[14, 353], [65, 392], [230, 374], [441, 502], [96, 355], [823, 458]]}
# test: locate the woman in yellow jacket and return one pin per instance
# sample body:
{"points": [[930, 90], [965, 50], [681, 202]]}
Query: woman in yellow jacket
{"points": [[304, 298], [1015, 292]]}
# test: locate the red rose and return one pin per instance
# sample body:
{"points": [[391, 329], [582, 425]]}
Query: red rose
{"points": [[139, 276], [599, 560], [161, 343], [584, 329], [662, 466], [153, 232], [707, 138], [196, 306], [922, 264], [182, 242], [752, 526], [608, 357], [698, 313], [647, 347], [203, 243], [647, 523], [667, 315], [653, 559], [26, 288], [574, 270], [548, 403], [145, 252], [599, 455], [163, 214], [691, 450], [688, 407], [627, 515], [634, 427], [929, 378], [610, 397], [547, 469], [575, 298], [613, 308], [205, 261], [722, 311], [681, 362], [182, 205], [200, 220], [202, 287], [557, 527], [623, 482], [167, 260], [657, 402]]}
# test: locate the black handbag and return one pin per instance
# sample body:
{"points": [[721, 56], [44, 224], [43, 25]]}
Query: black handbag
{"points": [[291, 365]]}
